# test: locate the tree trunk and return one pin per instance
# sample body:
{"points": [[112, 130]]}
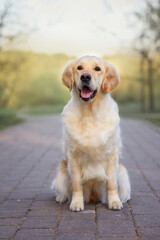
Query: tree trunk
{"points": [[142, 90], [150, 84]]}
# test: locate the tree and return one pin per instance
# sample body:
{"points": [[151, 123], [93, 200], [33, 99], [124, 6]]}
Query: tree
{"points": [[10, 64], [148, 46], [5, 14]]}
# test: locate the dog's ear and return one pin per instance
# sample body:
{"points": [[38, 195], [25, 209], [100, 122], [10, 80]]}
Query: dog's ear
{"points": [[68, 75], [111, 78]]}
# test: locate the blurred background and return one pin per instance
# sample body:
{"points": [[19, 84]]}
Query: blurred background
{"points": [[38, 38]]}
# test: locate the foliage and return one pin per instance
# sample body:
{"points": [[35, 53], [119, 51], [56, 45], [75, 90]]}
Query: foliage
{"points": [[30, 79], [149, 35], [147, 44], [153, 118], [43, 109], [8, 117]]}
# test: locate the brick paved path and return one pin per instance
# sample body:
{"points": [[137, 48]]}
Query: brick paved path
{"points": [[29, 155]]}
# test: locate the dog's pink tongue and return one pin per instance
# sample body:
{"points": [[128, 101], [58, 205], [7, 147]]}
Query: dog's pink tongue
{"points": [[86, 93]]}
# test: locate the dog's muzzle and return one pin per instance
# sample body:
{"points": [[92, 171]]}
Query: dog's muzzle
{"points": [[86, 93], [86, 78]]}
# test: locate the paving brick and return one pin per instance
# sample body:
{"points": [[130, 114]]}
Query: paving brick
{"points": [[88, 214], [7, 232], [147, 220], [44, 213], [8, 213], [10, 221], [141, 187], [46, 205], [149, 232], [2, 198], [46, 196], [3, 195], [78, 236], [154, 173], [136, 209], [40, 222], [104, 214], [154, 184], [87, 207], [23, 194], [150, 238], [142, 194], [158, 194], [6, 189], [16, 204], [80, 216], [116, 230], [117, 238], [25, 237], [144, 201], [35, 234], [77, 227], [31, 153]]}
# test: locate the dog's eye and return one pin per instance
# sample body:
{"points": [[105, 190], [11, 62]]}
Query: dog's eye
{"points": [[97, 69], [79, 68]]}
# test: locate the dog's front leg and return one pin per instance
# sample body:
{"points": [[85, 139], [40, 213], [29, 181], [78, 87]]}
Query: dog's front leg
{"points": [[77, 202], [112, 183]]}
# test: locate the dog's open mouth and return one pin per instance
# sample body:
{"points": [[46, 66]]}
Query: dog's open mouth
{"points": [[87, 94]]}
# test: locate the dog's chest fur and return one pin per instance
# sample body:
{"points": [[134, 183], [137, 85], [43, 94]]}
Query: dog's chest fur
{"points": [[94, 133]]}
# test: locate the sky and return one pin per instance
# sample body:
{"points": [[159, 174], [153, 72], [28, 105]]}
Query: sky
{"points": [[73, 27]]}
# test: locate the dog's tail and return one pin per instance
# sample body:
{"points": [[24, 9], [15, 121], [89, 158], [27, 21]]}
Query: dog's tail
{"points": [[62, 184], [124, 187]]}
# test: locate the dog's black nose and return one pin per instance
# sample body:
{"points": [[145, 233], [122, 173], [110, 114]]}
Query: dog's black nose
{"points": [[86, 77]]}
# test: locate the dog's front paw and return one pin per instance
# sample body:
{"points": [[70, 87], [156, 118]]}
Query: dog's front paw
{"points": [[115, 205], [77, 205]]}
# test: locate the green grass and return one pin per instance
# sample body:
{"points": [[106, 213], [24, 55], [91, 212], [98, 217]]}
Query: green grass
{"points": [[43, 110], [155, 121], [128, 110], [133, 111], [153, 118], [8, 117]]}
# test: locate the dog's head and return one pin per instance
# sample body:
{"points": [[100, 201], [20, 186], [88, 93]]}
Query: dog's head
{"points": [[89, 76]]}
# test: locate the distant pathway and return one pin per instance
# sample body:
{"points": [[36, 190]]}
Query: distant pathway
{"points": [[29, 156]]}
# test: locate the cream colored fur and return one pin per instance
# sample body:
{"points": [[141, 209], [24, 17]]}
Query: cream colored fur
{"points": [[92, 141]]}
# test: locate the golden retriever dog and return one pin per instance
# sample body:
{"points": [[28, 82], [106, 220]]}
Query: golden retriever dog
{"points": [[91, 170]]}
